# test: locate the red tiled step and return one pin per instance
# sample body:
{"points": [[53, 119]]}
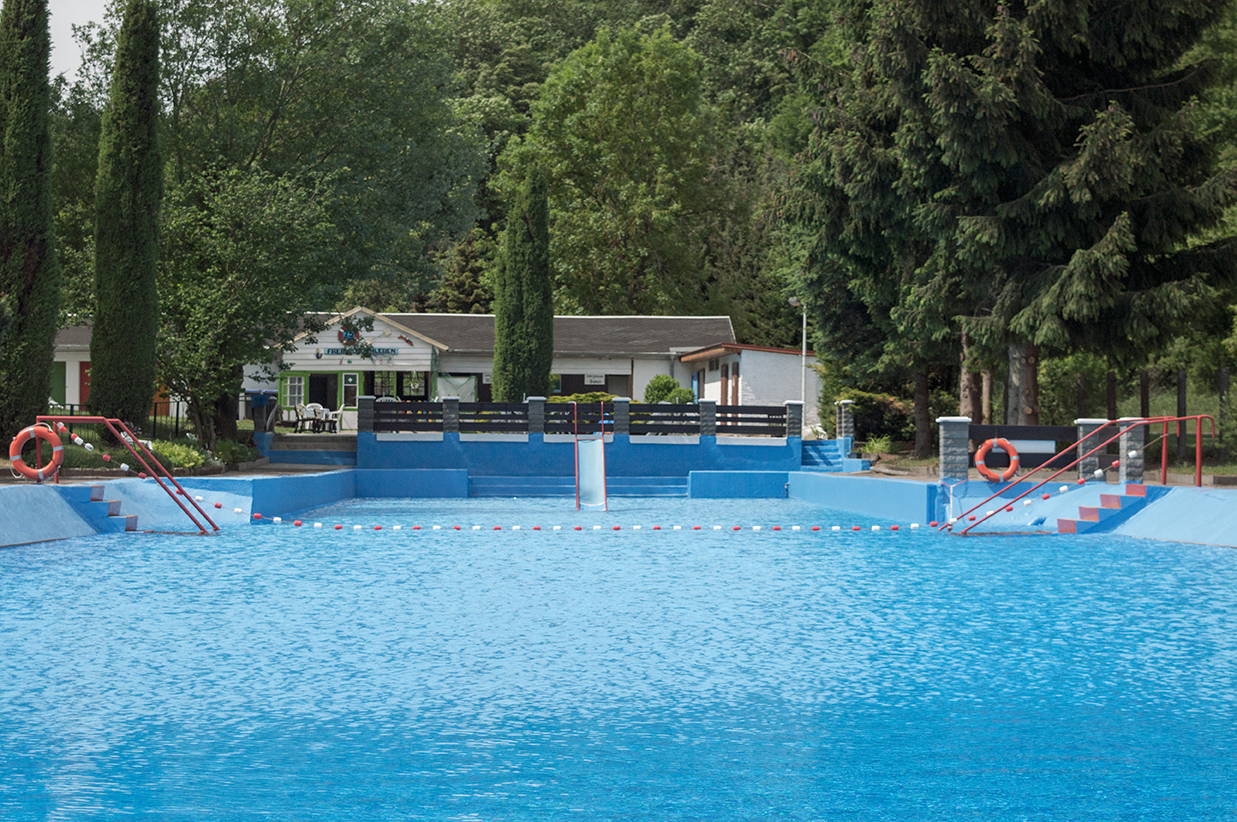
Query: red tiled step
{"points": [[1135, 489]]}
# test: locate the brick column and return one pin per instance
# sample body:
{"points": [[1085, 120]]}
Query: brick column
{"points": [[622, 415], [708, 418], [536, 415], [1088, 467], [451, 415], [365, 414], [845, 419], [1132, 441], [794, 418], [955, 448]]}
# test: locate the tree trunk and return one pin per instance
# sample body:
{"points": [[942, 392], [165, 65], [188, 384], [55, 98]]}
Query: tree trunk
{"points": [[1023, 396], [970, 389], [225, 417], [985, 377], [923, 418]]}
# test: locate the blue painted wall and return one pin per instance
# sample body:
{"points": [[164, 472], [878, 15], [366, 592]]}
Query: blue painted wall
{"points": [[737, 484], [897, 500], [33, 513], [415, 482], [538, 458]]}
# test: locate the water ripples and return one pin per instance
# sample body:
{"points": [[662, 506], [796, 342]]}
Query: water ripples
{"points": [[319, 674]]}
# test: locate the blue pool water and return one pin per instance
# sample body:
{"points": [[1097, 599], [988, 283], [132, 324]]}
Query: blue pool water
{"points": [[327, 675]]}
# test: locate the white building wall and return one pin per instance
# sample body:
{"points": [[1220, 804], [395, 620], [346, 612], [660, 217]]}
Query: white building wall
{"points": [[769, 378], [643, 371], [72, 374], [397, 352]]}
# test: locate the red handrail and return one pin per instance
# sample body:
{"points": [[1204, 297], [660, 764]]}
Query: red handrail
{"points": [[129, 440], [1134, 423]]}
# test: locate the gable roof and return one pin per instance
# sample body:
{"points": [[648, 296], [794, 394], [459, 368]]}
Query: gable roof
{"points": [[624, 336], [713, 351], [331, 319]]}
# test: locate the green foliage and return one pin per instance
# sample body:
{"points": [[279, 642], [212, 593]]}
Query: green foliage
{"points": [[230, 452], [1058, 388], [178, 454], [878, 445], [128, 191], [243, 252], [523, 298], [625, 136], [587, 397], [881, 415], [660, 387], [29, 274]]}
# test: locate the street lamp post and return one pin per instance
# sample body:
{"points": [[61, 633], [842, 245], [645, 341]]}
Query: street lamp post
{"points": [[795, 301]]}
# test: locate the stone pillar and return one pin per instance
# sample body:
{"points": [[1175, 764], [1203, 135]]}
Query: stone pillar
{"points": [[708, 418], [1131, 468], [622, 415], [1088, 467], [536, 415], [794, 418], [845, 420], [365, 414], [955, 448], [451, 415]]}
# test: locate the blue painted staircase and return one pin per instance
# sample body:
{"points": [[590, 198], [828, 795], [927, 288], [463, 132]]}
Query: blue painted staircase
{"points": [[1113, 510], [103, 515], [831, 456], [566, 486]]}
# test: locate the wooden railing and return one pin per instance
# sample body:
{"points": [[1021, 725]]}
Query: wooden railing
{"points": [[636, 419], [752, 420], [665, 419]]}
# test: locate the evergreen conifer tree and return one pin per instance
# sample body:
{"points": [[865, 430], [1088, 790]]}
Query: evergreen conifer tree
{"points": [[29, 273], [523, 297], [128, 192], [1041, 164]]}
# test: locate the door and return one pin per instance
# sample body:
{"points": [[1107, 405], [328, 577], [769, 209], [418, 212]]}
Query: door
{"points": [[324, 390], [83, 376]]}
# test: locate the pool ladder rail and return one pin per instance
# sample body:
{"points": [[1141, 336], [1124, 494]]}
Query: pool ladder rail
{"points": [[1125, 425], [153, 468]]}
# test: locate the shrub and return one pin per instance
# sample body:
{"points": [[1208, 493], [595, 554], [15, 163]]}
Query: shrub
{"points": [[178, 455], [660, 388], [592, 396], [882, 415], [233, 453]]}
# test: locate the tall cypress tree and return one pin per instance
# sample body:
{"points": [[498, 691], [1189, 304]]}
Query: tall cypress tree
{"points": [[128, 192], [29, 273], [523, 297]]}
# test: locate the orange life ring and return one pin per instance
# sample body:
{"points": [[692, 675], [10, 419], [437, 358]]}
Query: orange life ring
{"points": [[986, 472], [36, 432]]}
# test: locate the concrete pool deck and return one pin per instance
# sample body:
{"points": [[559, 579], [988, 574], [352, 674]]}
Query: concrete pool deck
{"points": [[35, 513]]}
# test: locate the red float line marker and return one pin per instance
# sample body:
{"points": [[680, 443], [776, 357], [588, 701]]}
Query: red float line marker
{"points": [[579, 528], [297, 523], [377, 527], [339, 527]]}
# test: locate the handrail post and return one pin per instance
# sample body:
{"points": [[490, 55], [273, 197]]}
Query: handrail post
{"points": [[1198, 452], [1132, 460], [1164, 456]]}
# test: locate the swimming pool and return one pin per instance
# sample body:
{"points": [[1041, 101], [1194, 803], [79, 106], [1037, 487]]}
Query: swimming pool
{"points": [[305, 673]]}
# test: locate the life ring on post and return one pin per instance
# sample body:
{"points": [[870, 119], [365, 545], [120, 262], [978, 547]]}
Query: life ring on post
{"points": [[986, 472], [40, 433]]}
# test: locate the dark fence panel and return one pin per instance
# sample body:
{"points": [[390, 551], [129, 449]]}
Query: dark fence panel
{"points": [[664, 419], [493, 418], [1062, 435], [752, 420], [397, 417], [583, 418]]}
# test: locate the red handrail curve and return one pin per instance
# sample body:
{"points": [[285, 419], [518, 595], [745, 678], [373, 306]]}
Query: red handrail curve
{"points": [[129, 439], [1134, 423]]}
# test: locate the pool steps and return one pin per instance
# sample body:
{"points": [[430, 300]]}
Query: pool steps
{"points": [[566, 486], [825, 456], [103, 515], [1113, 510]]}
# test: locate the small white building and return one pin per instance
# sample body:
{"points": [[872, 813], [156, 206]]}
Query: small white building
{"points": [[735, 374], [423, 356]]}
